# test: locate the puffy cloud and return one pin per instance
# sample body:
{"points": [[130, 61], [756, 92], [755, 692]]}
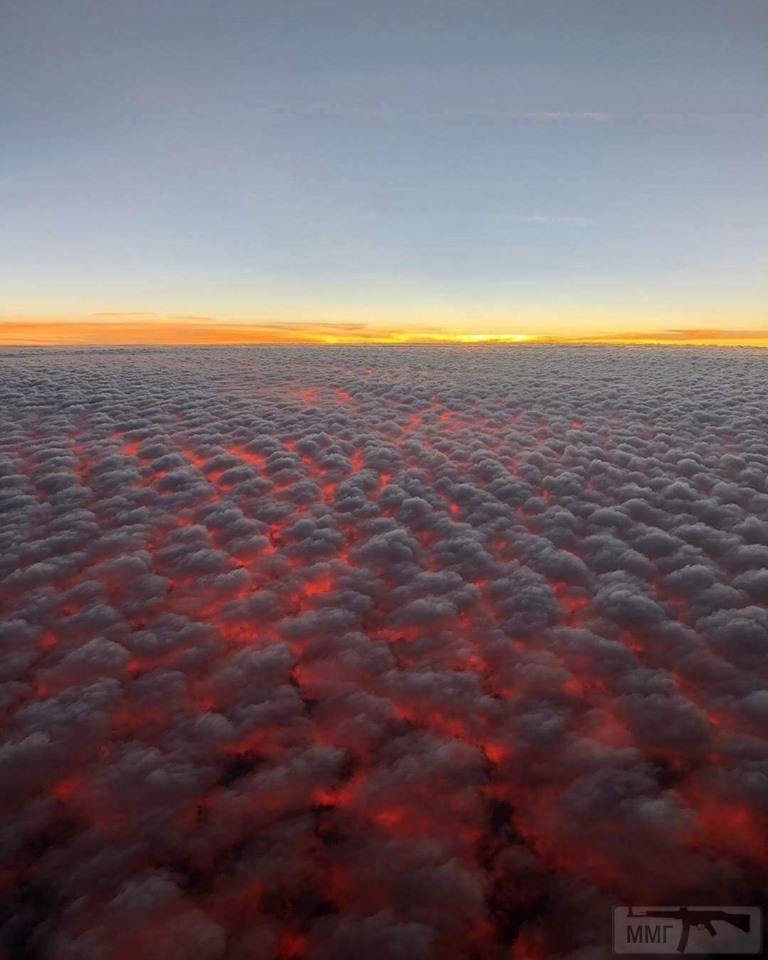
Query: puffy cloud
{"points": [[374, 652]]}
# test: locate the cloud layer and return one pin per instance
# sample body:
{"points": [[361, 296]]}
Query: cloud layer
{"points": [[370, 652]]}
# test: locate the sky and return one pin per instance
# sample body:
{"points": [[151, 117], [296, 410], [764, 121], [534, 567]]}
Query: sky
{"points": [[190, 170]]}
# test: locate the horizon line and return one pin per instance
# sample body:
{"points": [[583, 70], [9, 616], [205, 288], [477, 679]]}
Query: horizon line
{"points": [[206, 331], [759, 343]]}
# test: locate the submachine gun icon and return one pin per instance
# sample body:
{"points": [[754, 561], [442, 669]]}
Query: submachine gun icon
{"points": [[696, 918]]}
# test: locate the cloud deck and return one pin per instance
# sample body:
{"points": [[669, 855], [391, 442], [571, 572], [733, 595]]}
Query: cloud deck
{"points": [[378, 652]]}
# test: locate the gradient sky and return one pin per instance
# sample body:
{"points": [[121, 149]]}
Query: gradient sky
{"points": [[533, 166]]}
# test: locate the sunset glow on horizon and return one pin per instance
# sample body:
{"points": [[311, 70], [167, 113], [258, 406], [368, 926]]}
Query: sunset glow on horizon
{"points": [[186, 332]]}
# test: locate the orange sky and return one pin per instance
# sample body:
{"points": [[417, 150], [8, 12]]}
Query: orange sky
{"points": [[118, 329]]}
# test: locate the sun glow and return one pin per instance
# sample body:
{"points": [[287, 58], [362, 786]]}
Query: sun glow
{"points": [[205, 331], [492, 337]]}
